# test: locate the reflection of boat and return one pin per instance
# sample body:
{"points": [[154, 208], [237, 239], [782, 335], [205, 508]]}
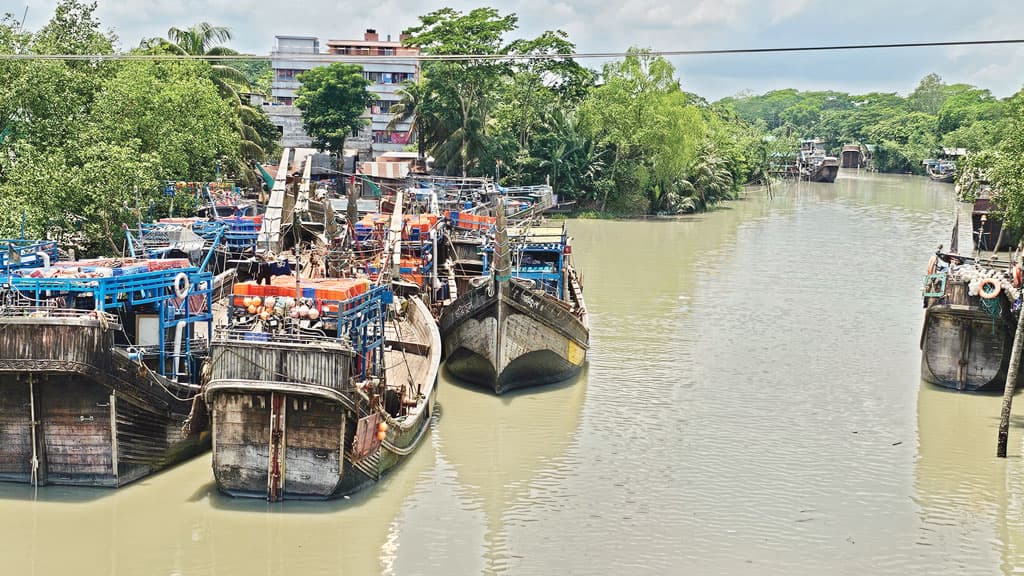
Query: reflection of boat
{"points": [[968, 325], [525, 323], [814, 164], [533, 459], [98, 360]]}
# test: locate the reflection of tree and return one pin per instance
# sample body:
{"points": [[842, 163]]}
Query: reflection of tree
{"points": [[966, 496]]}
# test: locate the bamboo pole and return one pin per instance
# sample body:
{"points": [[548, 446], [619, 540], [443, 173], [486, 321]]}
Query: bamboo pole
{"points": [[1011, 385]]}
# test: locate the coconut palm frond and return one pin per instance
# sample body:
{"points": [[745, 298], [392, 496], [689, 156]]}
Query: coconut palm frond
{"points": [[227, 91], [251, 150], [249, 133], [230, 74]]}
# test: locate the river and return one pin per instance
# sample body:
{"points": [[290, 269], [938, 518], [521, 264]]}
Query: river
{"points": [[752, 405]]}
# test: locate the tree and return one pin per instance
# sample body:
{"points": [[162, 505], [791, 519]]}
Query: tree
{"points": [[333, 100], [929, 95], [415, 105], [204, 39], [467, 86]]}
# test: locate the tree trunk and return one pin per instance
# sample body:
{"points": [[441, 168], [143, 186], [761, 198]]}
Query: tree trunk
{"points": [[1011, 385]]}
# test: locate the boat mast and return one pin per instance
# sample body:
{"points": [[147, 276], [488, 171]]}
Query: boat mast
{"points": [[502, 263]]}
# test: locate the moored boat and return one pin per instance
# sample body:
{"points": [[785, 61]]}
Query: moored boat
{"points": [[99, 365], [940, 170], [316, 407], [986, 226], [318, 387], [814, 164], [852, 156], [524, 323], [970, 309]]}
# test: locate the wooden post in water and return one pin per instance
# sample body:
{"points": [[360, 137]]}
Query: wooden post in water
{"points": [[1011, 385]]}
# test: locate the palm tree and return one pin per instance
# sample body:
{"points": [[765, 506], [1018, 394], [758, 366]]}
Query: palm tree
{"points": [[711, 179], [414, 107], [204, 39]]}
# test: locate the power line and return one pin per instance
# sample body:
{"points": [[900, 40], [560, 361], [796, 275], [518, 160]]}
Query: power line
{"points": [[406, 58]]}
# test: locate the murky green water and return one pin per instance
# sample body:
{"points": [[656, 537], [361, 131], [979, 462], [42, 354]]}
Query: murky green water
{"points": [[752, 405]]}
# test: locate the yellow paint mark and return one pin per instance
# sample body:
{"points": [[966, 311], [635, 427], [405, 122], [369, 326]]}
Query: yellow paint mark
{"points": [[576, 353]]}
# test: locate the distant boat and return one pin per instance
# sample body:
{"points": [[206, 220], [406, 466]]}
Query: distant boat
{"points": [[524, 322], [814, 164], [941, 170], [852, 156]]}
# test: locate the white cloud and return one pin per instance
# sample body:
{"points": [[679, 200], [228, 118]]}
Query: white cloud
{"points": [[603, 26]]}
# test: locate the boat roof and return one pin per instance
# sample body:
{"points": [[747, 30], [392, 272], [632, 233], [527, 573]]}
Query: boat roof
{"points": [[538, 234]]}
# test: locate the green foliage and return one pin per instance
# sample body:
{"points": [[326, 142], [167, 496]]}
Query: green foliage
{"points": [[332, 100], [463, 90], [89, 142], [906, 130], [1004, 168]]}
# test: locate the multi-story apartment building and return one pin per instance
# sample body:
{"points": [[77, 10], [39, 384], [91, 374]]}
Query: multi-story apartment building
{"points": [[295, 54]]}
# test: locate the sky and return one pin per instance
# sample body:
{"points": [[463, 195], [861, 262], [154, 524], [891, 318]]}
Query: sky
{"points": [[615, 25]]}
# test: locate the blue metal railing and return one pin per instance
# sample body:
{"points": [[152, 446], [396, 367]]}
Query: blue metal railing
{"points": [[16, 254]]}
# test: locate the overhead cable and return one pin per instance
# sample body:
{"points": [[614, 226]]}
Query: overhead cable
{"points": [[407, 58]]}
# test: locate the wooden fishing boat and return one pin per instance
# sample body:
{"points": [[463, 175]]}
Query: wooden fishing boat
{"points": [[814, 164], [99, 364], [988, 232], [969, 323], [327, 387], [940, 170], [523, 324], [852, 156]]}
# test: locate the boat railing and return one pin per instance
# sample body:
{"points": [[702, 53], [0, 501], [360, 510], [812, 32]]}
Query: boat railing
{"points": [[57, 312], [23, 253], [156, 240], [311, 337]]}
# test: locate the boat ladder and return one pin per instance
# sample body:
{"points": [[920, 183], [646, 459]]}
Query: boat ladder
{"points": [[368, 465]]}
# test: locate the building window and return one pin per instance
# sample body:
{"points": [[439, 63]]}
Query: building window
{"points": [[382, 106], [388, 51], [388, 137]]}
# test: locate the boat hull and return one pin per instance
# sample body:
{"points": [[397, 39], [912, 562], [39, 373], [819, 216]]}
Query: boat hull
{"points": [[512, 337], [286, 425], [825, 173], [965, 348], [311, 452], [85, 414]]}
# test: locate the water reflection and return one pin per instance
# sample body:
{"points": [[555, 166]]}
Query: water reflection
{"points": [[752, 405], [970, 508], [177, 523]]}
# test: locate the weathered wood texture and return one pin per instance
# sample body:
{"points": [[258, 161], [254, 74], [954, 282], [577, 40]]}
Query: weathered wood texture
{"points": [[316, 459], [326, 364], [241, 441], [44, 343], [77, 376], [963, 346]]}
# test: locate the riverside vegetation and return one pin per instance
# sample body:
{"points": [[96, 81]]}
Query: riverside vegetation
{"points": [[85, 144]]}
